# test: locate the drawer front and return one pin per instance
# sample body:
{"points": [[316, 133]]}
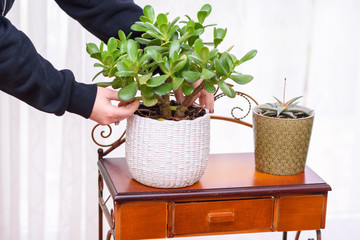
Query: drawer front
{"points": [[141, 221], [222, 216], [300, 213]]}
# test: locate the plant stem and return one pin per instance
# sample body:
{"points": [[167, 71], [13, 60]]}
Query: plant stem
{"points": [[284, 90], [180, 112], [165, 109]]}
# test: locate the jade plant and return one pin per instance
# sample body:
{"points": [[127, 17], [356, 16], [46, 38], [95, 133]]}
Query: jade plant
{"points": [[168, 56], [283, 109]]}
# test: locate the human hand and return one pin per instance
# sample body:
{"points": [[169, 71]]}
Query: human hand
{"points": [[105, 113], [206, 99]]}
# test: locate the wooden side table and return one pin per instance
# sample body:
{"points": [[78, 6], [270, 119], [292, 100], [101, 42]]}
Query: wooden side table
{"points": [[230, 198]]}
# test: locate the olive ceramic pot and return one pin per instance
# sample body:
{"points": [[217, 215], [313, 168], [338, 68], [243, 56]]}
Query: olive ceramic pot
{"points": [[281, 145]]}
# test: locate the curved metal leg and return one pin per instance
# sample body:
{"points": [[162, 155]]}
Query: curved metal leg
{"points": [[297, 235], [100, 189], [318, 234], [284, 235], [109, 234]]}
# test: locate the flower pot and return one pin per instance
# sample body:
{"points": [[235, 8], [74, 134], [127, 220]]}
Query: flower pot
{"points": [[281, 145], [167, 154]]}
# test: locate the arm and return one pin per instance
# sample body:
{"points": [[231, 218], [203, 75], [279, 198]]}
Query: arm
{"points": [[103, 18], [29, 77]]}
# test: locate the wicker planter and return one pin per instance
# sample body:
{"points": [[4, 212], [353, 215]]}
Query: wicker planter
{"points": [[281, 145], [167, 154]]}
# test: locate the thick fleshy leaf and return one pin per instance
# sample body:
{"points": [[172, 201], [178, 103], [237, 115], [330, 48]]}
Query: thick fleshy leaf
{"points": [[247, 57], [112, 44], [163, 89], [196, 59], [220, 70], [146, 91], [226, 89], [161, 19], [174, 47], [178, 66], [149, 102], [122, 36], [187, 89], [139, 28], [219, 35], [177, 82], [204, 53], [207, 74], [198, 45], [149, 13], [209, 87], [241, 79], [144, 78], [128, 93], [157, 81], [132, 50], [92, 48], [191, 76]]}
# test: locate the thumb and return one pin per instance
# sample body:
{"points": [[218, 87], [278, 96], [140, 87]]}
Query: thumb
{"points": [[128, 109]]}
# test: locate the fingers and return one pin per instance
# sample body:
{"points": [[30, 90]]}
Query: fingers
{"points": [[126, 109]]}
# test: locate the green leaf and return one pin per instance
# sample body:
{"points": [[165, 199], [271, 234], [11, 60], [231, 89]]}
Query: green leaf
{"points": [[92, 48], [180, 65], [219, 35], [177, 82], [213, 53], [128, 93], [149, 102], [112, 44], [143, 41], [247, 57], [157, 81], [204, 53], [209, 87], [124, 74], [174, 47], [191, 76], [144, 78], [198, 45], [146, 91], [145, 19], [226, 89], [132, 50], [220, 70], [138, 27], [187, 89], [201, 15], [206, 8], [149, 13], [207, 74], [122, 36], [161, 19], [241, 79], [152, 28], [196, 59], [163, 89]]}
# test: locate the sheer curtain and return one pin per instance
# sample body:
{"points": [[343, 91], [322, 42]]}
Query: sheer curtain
{"points": [[48, 172]]}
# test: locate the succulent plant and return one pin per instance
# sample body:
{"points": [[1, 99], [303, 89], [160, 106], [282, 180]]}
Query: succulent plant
{"points": [[168, 56], [289, 109]]}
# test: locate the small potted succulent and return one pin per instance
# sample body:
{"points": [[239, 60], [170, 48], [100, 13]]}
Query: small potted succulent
{"points": [[167, 143], [282, 132]]}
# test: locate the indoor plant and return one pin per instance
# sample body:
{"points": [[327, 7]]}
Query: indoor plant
{"points": [[282, 132], [168, 57]]}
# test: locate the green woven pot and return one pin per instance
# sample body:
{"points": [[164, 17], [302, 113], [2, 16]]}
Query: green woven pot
{"points": [[281, 145]]}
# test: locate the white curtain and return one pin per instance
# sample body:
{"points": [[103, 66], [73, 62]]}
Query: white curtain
{"points": [[48, 172]]}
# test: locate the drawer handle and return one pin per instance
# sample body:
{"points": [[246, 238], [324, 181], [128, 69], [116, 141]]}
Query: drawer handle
{"points": [[221, 217]]}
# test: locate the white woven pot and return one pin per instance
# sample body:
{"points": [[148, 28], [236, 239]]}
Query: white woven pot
{"points": [[167, 154]]}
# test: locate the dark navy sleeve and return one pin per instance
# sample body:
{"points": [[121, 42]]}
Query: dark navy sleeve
{"points": [[29, 77], [103, 18]]}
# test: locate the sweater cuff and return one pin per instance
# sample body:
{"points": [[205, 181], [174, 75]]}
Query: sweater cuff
{"points": [[82, 99]]}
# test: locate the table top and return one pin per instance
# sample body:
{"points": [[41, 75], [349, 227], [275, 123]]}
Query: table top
{"points": [[226, 175]]}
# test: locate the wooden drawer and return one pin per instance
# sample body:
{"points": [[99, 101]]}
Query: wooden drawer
{"points": [[141, 221], [301, 213], [222, 216]]}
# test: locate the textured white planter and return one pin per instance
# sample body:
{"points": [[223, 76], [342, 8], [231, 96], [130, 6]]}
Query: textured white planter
{"points": [[167, 154]]}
